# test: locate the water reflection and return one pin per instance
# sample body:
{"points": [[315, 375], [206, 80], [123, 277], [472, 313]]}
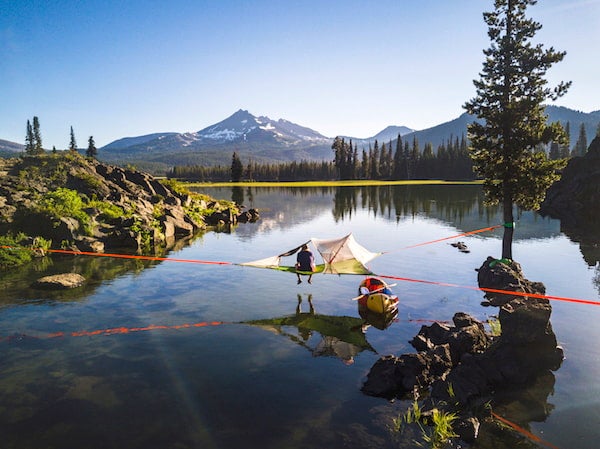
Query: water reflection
{"points": [[452, 202], [588, 238], [16, 282], [379, 321], [459, 205], [323, 335], [519, 407]]}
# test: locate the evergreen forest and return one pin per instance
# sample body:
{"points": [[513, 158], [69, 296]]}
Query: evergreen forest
{"points": [[402, 161]]}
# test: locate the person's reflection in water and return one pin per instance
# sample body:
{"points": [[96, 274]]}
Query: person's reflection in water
{"points": [[304, 332]]}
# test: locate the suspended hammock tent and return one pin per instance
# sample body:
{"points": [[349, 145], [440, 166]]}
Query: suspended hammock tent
{"points": [[340, 256]]}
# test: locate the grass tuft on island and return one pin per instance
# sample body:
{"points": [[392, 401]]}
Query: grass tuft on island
{"points": [[349, 183]]}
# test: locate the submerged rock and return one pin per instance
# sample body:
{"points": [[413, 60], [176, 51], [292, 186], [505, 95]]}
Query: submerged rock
{"points": [[60, 281]]}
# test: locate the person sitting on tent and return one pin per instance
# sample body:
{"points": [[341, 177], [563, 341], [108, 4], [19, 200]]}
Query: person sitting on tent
{"points": [[305, 262]]}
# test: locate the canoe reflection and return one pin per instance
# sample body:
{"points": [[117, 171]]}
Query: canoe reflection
{"points": [[380, 321]]}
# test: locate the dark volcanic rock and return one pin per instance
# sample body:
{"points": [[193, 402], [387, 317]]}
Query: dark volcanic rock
{"points": [[461, 365], [575, 200]]}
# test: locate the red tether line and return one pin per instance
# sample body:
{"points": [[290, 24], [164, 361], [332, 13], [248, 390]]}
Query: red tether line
{"points": [[117, 330], [522, 431], [131, 256], [494, 290], [490, 228]]}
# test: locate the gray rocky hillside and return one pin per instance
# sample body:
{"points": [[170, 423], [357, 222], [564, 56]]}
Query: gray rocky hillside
{"points": [[91, 206], [575, 197], [575, 200]]}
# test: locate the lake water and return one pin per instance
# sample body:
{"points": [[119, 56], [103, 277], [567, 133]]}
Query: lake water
{"points": [[230, 381]]}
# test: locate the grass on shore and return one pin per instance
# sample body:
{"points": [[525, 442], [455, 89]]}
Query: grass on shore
{"points": [[351, 183]]}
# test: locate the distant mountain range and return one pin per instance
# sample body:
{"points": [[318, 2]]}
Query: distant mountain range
{"points": [[8, 148], [265, 140], [259, 138]]}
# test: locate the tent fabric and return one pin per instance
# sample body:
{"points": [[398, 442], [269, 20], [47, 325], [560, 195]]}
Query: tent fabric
{"points": [[340, 256], [344, 254]]}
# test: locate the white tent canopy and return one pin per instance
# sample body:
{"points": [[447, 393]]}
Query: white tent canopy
{"points": [[340, 256]]}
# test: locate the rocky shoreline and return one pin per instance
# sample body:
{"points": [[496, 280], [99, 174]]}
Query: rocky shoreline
{"points": [[461, 368], [86, 205]]}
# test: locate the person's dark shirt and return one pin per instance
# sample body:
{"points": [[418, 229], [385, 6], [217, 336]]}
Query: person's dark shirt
{"points": [[305, 261]]}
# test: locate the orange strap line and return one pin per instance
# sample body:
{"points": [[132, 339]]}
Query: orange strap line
{"points": [[124, 256], [490, 228], [130, 256], [493, 290], [522, 431], [119, 330], [490, 290]]}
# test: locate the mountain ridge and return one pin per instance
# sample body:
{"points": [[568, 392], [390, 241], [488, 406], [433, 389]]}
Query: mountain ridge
{"points": [[264, 140]]}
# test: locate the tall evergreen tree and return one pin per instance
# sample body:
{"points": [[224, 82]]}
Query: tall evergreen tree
{"points": [[29, 139], [91, 151], [250, 170], [581, 145], [554, 152], [237, 168], [565, 151], [397, 161], [72, 141], [374, 161], [406, 160], [37, 137], [413, 158], [510, 98], [364, 166]]}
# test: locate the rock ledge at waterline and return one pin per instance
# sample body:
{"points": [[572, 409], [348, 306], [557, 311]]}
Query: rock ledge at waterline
{"points": [[155, 214], [464, 366]]}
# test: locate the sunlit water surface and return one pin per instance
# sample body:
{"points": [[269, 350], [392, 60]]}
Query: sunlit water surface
{"points": [[227, 383]]}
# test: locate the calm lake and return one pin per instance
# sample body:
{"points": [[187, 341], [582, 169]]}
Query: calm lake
{"points": [[227, 381]]}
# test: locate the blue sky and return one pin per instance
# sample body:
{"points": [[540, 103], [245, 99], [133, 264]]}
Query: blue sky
{"points": [[115, 69]]}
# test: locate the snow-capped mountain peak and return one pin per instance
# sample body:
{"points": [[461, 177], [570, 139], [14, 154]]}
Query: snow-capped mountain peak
{"points": [[243, 126]]}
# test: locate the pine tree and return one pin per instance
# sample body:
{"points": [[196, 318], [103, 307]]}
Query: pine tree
{"points": [[406, 160], [510, 96], [564, 147], [364, 166], [374, 161], [413, 158], [91, 151], [29, 139], [37, 137], [397, 162], [341, 159], [554, 152], [237, 168], [581, 145], [72, 142], [250, 171]]}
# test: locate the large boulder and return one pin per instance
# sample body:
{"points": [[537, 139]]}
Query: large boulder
{"points": [[507, 275], [60, 281]]}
